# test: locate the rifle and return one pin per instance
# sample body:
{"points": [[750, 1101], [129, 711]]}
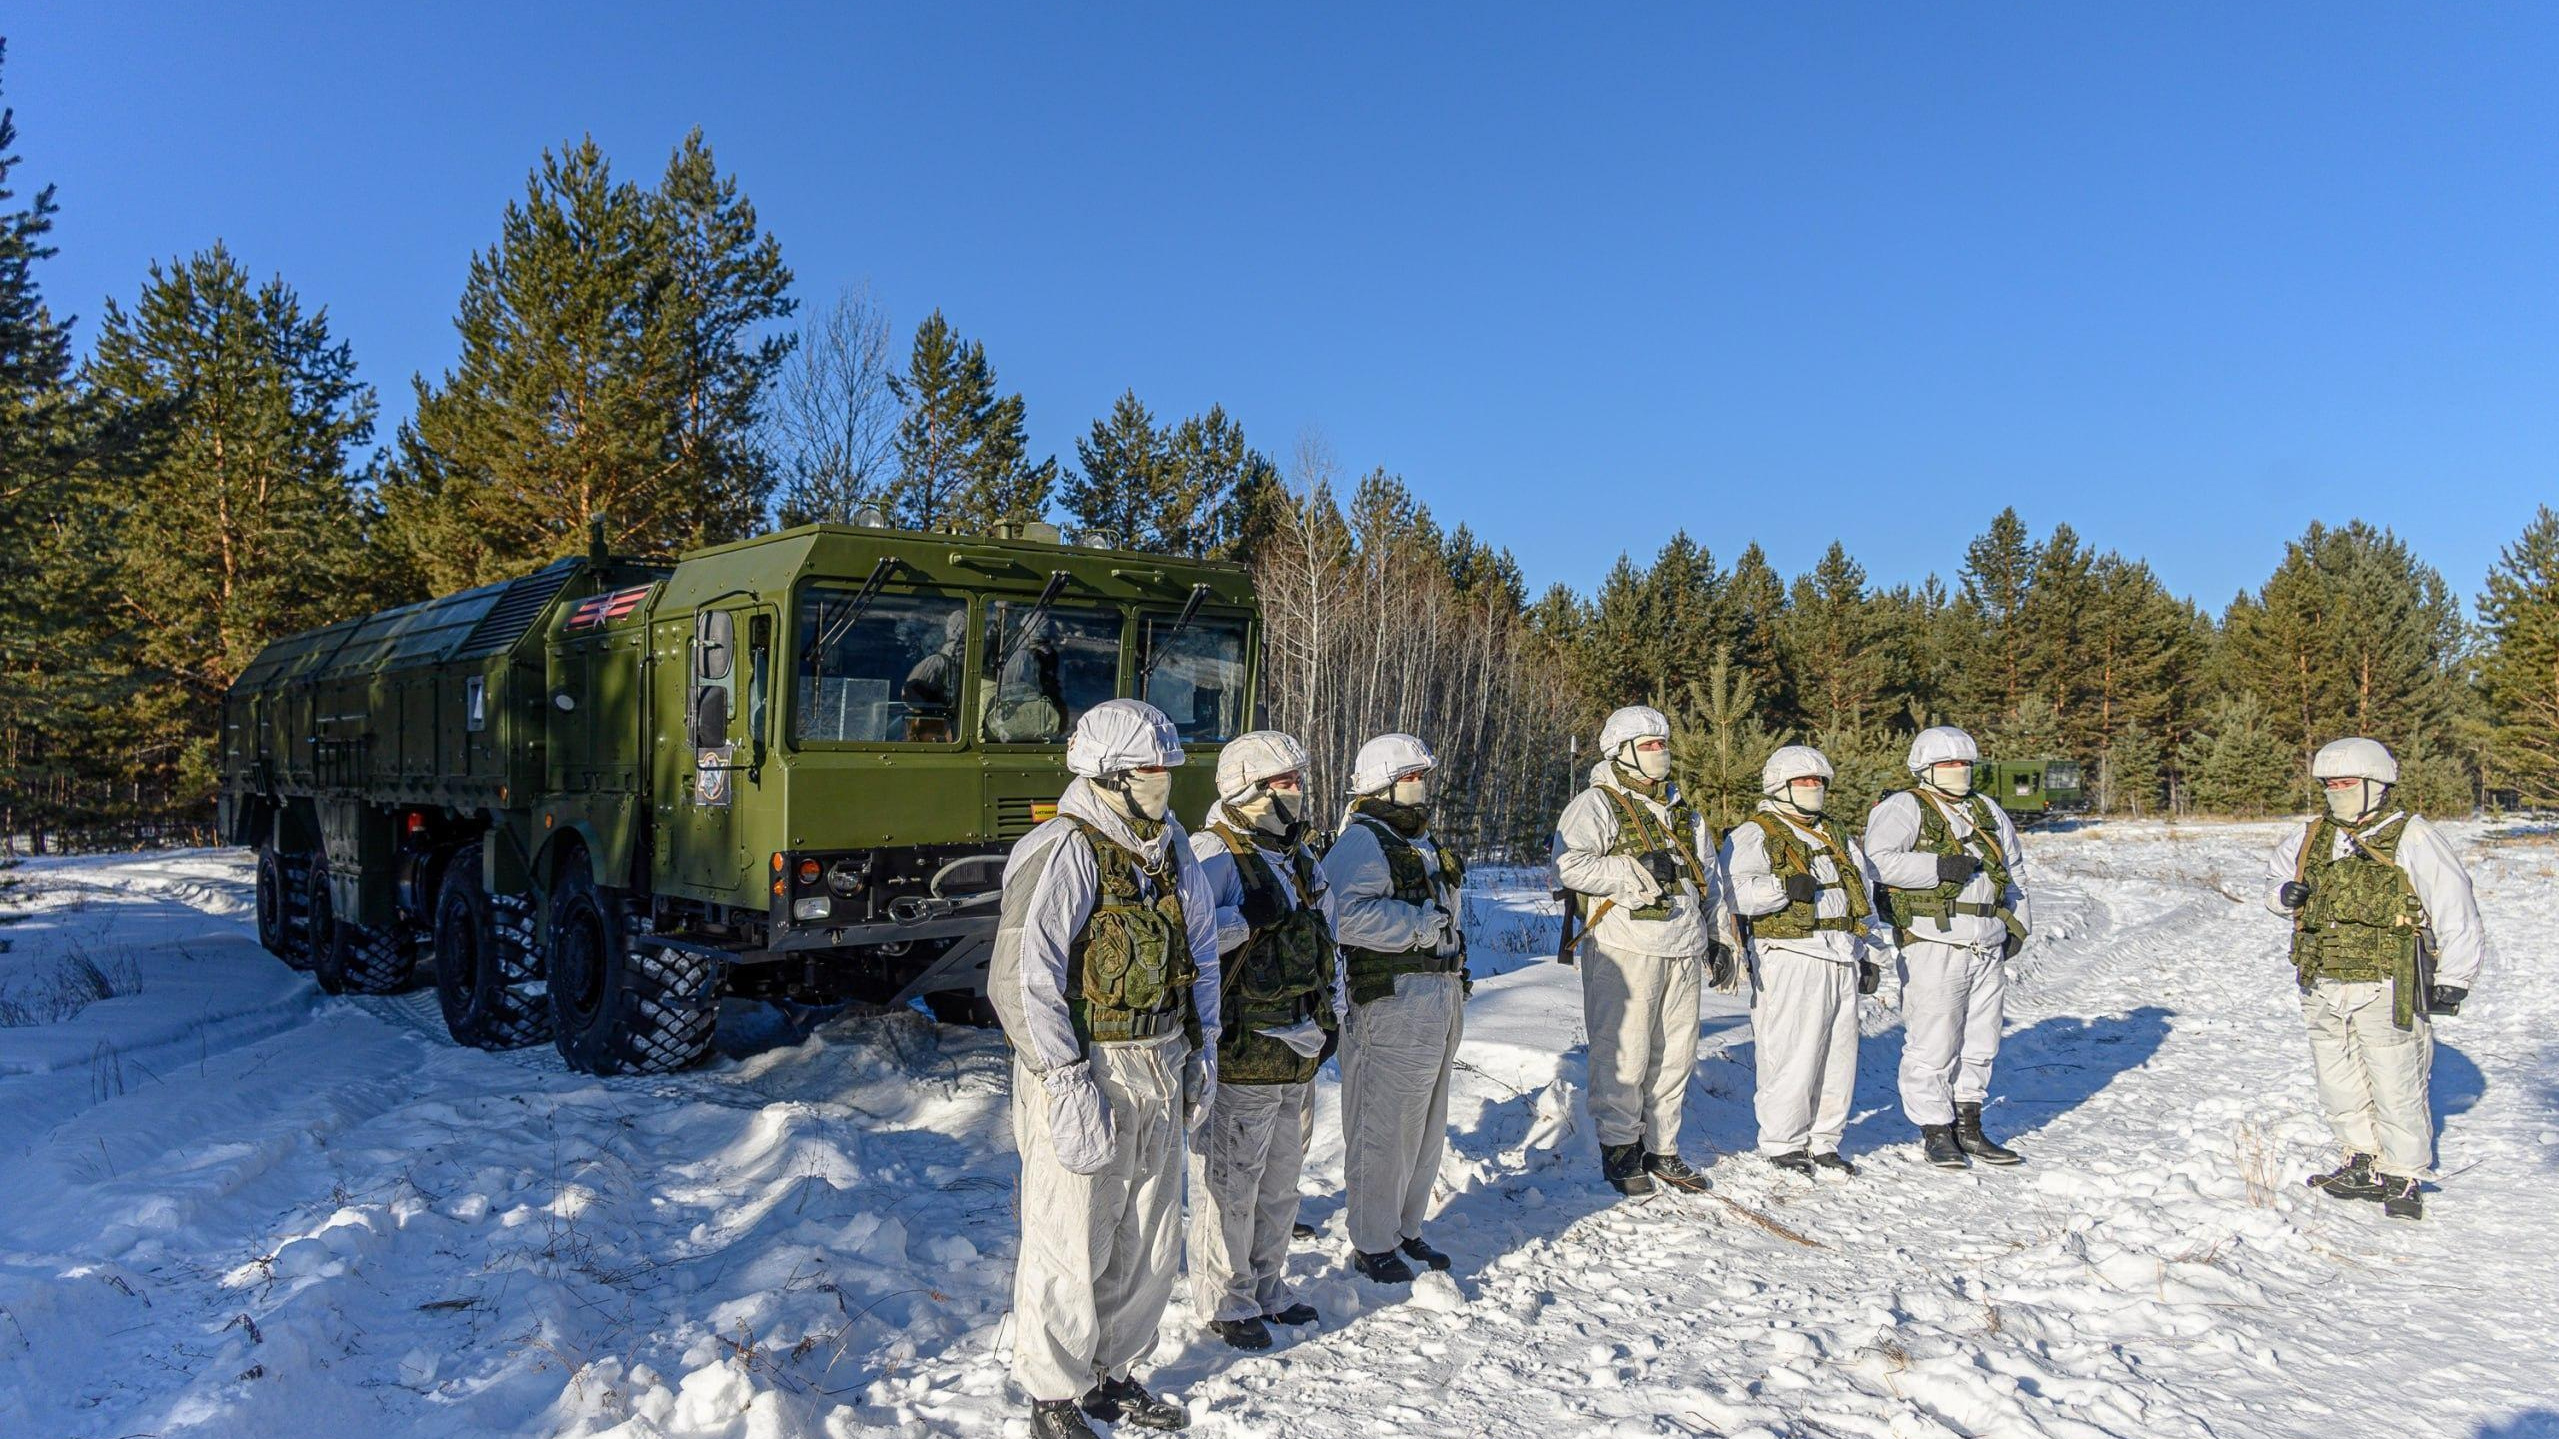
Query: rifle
{"points": [[1567, 941]]}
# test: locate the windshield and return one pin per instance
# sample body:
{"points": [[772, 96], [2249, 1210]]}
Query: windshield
{"points": [[1046, 672], [891, 675], [2062, 774], [1199, 681]]}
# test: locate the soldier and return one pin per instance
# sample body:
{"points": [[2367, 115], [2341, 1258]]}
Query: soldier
{"points": [[1105, 976], [2385, 933], [1956, 884], [1808, 893], [1655, 916], [1397, 912], [1282, 1002]]}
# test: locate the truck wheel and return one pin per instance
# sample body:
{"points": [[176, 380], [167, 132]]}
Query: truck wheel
{"points": [[350, 958], [616, 1007], [283, 900], [487, 976]]}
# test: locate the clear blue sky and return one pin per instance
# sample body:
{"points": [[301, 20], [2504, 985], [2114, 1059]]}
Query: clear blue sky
{"points": [[2183, 277]]}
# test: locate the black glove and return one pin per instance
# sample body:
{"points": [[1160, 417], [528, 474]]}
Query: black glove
{"points": [[1660, 865], [2292, 894], [1958, 868], [1332, 1042], [1262, 908], [2445, 999], [1802, 889], [2014, 942], [1870, 976], [1719, 966]]}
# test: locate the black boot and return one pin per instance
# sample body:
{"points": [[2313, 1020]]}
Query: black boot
{"points": [[1794, 1161], [1937, 1146], [1295, 1314], [1242, 1333], [1623, 1165], [1125, 1401], [1416, 1248], [1970, 1139], [1832, 1160], [1674, 1171], [2399, 1198], [1386, 1268], [1059, 1419], [1301, 1230], [2353, 1179]]}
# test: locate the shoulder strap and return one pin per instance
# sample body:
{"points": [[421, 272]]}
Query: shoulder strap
{"points": [[1986, 825]]}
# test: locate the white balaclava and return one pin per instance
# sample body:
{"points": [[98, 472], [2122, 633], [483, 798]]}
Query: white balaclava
{"points": [[1412, 791], [1626, 733], [1797, 778], [1943, 758], [1955, 777], [1248, 767], [2368, 761], [1127, 748], [1145, 794]]}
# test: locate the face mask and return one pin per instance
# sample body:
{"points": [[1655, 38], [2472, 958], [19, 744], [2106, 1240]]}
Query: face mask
{"points": [[1144, 796], [1954, 779], [2348, 805], [1270, 811], [1652, 764], [1411, 793], [1805, 797]]}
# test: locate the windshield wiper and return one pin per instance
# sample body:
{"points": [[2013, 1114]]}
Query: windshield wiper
{"points": [[833, 631], [1030, 622], [1155, 651]]}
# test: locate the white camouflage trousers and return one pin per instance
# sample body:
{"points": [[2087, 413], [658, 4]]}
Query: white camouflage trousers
{"points": [[1100, 1251], [1953, 1001], [1244, 1198], [1396, 1054], [1805, 1024], [2372, 1075], [1641, 1010]]}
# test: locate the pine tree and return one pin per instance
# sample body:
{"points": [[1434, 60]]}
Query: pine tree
{"points": [[1718, 743], [2034, 730], [1997, 581], [2128, 772], [1220, 486], [2350, 635], [2236, 763], [607, 368], [1123, 470], [2519, 670], [1834, 647], [237, 520], [962, 448], [50, 553], [1755, 606]]}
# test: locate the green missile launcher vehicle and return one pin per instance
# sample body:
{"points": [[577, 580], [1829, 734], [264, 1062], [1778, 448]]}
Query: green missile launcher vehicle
{"points": [[606, 795], [2031, 789]]}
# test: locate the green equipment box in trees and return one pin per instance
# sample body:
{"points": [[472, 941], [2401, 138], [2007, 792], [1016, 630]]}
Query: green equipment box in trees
{"points": [[605, 795], [2030, 788]]}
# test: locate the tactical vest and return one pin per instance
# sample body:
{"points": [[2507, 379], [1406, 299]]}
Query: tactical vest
{"points": [[2364, 922], [1130, 969], [1789, 856], [1373, 971], [1640, 830], [1937, 837], [1282, 976]]}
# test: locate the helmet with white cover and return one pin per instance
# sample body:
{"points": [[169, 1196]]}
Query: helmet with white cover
{"points": [[1634, 722], [1252, 758], [2355, 758], [1118, 735], [1384, 758], [1794, 762], [1941, 744]]}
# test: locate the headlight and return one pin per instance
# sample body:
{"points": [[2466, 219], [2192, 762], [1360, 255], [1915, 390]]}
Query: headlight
{"points": [[809, 908], [847, 876]]}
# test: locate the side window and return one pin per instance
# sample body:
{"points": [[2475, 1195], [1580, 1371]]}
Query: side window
{"points": [[1045, 669], [1198, 680], [890, 673]]}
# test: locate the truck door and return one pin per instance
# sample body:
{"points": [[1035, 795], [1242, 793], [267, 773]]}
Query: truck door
{"points": [[725, 728]]}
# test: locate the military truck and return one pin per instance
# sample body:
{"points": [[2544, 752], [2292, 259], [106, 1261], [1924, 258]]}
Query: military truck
{"points": [[601, 797], [2031, 789]]}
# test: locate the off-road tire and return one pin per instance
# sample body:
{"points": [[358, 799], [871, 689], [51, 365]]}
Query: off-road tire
{"points": [[619, 1007], [488, 971], [350, 958], [284, 899]]}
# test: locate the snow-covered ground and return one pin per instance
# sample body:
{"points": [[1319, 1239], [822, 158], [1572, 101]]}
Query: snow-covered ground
{"points": [[229, 1206]]}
